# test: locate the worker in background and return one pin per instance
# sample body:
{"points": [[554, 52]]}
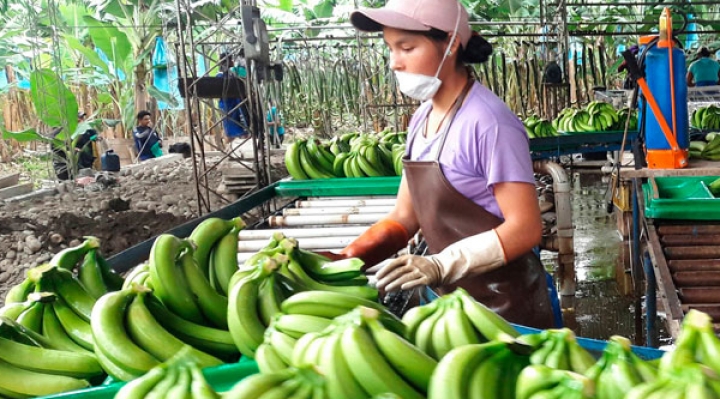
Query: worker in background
{"points": [[467, 179], [234, 120], [275, 125], [705, 71], [629, 82], [147, 142], [83, 149]]}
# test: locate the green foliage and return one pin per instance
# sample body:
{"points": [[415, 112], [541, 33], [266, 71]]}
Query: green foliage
{"points": [[113, 42], [54, 103]]}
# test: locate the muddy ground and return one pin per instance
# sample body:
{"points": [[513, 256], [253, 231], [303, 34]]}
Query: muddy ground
{"points": [[120, 209]]}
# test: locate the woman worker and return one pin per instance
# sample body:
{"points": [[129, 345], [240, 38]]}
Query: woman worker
{"points": [[468, 178]]}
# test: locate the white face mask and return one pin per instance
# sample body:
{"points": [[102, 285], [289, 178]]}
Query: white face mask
{"points": [[423, 87]]}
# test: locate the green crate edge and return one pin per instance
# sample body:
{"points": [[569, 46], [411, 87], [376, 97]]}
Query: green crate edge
{"points": [[681, 208], [222, 378], [339, 187]]}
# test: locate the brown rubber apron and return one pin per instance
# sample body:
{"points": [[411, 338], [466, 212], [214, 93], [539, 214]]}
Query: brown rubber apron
{"points": [[518, 290]]}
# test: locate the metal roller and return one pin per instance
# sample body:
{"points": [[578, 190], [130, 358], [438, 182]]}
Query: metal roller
{"points": [[689, 229], [712, 310], [345, 203], [280, 221], [302, 233], [335, 210], [694, 265], [697, 279], [692, 252], [690, 240], [700, 295], [304, 243]]}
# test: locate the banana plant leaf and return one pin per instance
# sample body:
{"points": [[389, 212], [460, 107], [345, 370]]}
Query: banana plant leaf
{"points": [[91, 56], [112, 41], [24, 136], [54, 103]]}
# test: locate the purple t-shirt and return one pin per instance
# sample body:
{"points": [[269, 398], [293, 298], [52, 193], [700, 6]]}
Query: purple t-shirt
{"points": [[486, 144]]}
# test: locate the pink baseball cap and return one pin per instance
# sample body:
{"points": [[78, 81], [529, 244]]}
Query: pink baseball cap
{"points": [[415, 15]]}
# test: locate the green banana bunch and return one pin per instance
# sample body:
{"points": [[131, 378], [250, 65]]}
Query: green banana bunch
{"points": [[64, 316], [539, 381], [361, 357], [451, 321], [245, 320], [536, 127], [305, 270], [292, 161], [172, 381], [129, 340], [20, 292], [398, 152], [697, 341], [94, 273], [311, 312], [711, 150], [16, 382], [619, 370], [305, 160], [275, 353], [390, 137], [329, 305], [623, 114], [214, 341], [714, 187], [32, 365], [603, 116], [693, 381], [300, 383], [706, 118], [293, 268], [169, 282], [558, 349], [69, 258], [489, 370], [139, 275], [207, 235], [276, 273], [597, 116], [349, 155]]}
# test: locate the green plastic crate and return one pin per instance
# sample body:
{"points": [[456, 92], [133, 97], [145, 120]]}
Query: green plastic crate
{"points": [[681, 198], [339, 187], [222, 378]]}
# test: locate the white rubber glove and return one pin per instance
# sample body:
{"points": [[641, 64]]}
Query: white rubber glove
{"points": [[474, 255]]}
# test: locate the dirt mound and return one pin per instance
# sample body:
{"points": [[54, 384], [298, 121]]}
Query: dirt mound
{"points": [[116, 231]]}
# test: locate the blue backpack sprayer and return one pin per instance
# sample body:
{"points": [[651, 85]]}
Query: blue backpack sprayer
{"points": [[663, 114]]}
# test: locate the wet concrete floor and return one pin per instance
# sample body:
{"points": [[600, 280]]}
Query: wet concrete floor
{"points": [[604, 304]]}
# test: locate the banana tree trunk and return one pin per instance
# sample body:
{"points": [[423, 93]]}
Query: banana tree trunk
{"points": [[141, 95]]}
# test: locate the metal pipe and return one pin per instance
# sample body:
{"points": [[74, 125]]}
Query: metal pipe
{"points": [[279, 221], [650, 303], [305, 243], [345, 203], [336, 210], [302, 233], [563, 209]]}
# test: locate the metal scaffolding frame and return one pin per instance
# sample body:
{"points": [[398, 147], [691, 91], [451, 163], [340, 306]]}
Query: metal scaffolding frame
{"points": [[196, 44]]}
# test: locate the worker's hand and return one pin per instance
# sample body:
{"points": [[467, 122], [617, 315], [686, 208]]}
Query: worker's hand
{"points": [[381, 241], [473, 255], [407, 272]]}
